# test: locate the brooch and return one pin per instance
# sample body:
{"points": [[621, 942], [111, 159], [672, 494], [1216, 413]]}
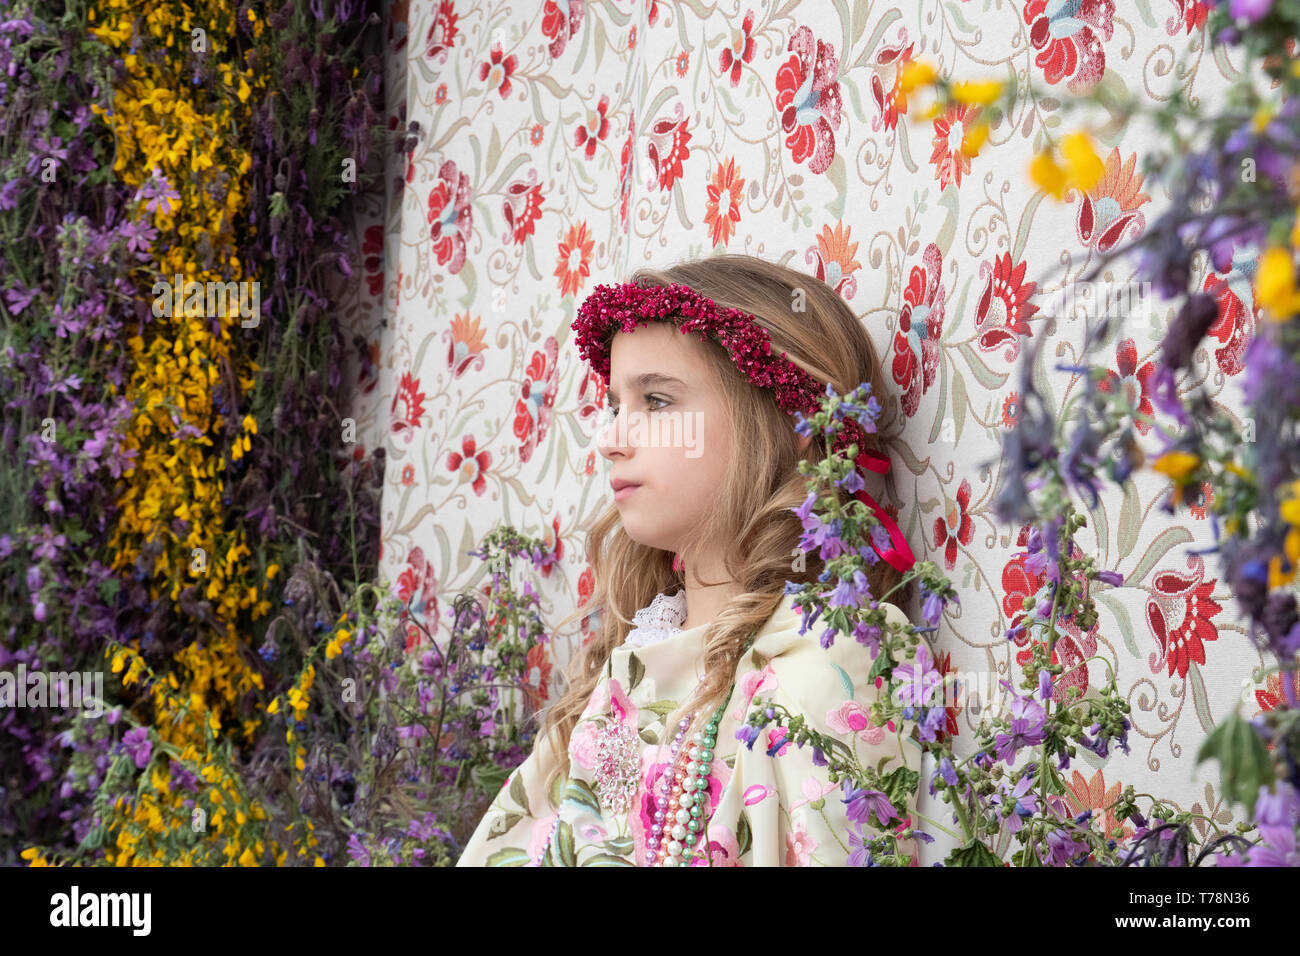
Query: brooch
{"points": [[618, 765]]}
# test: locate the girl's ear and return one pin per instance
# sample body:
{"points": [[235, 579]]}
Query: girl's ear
{"points": [[804, 442]]}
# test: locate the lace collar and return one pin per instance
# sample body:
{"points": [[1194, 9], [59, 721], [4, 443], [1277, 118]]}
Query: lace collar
{"points": [[661, 619]]}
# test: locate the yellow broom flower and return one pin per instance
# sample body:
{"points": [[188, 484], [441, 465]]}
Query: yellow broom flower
{"points": [[1275, 284], [977, 92]]}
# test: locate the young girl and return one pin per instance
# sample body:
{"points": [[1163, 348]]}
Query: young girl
{"points": [[639, 759]]}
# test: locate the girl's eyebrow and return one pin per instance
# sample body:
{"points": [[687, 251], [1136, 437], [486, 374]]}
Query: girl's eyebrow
{"points": [[646, 379]]}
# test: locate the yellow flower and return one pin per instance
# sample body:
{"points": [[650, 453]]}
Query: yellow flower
{"points": [[916, 73], [974, 139], [980, 92], [1275, 284], [1290, 509], [1177, 465], [271, 571], [275, 707], [1082, 166]]}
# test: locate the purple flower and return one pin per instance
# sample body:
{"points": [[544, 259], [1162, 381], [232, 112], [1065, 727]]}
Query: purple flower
{"points": [[1027, 719], [138, 746], [358, 851], [859, 855], [158, 193], [861, 804], [1113, 578], [1023, 803], [919, 678], [932, 610], [1044, 685], [748, 734], [1252, 11]]}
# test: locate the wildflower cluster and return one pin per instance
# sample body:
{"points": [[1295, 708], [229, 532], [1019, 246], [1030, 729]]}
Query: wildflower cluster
{"points": [[1011, 786]]}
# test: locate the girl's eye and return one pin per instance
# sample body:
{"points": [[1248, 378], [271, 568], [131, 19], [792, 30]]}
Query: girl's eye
{"points": [[612, 409]]}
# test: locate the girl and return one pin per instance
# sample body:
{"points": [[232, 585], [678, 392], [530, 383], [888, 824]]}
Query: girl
{"points": [[640, 760]]}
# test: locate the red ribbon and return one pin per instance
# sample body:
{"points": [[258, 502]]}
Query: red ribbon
{"points": [[899, 554]]}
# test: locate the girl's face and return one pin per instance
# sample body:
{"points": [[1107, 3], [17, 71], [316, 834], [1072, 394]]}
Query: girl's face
{"points": [[670, 434]]}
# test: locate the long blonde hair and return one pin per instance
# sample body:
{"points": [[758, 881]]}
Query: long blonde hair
{"points": [[753, 506]]}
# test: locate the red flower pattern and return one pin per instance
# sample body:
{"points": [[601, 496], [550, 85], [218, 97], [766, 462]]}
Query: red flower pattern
{"points": [[740, 51], [1179, 609], [808, 98], [471, 464], [1004, 306], [1134, 382], [916, 343], [1066, 39], [536, 399], [450, 216], [956, 527]]}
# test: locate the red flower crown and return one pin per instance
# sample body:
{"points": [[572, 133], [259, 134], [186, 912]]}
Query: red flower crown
{"points": [[622, 307]]}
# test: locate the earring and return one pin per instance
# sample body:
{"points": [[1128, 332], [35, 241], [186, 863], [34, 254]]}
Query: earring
{"points": [[678, 563]]}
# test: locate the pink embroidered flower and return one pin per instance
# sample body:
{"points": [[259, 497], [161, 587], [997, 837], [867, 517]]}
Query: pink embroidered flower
{"points": [[756, 794], [813, 789], [852, 718], [541, 832], [723, 849], [798, 846], [582, 745], [753, 684]]}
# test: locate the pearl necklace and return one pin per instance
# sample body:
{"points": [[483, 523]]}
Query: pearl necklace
{"points": [[683, 797]]}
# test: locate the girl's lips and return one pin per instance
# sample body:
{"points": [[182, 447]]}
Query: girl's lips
{"points": [[625, 491]]}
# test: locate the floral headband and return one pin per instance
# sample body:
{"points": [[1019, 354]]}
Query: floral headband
{"points": [[612, 308]]}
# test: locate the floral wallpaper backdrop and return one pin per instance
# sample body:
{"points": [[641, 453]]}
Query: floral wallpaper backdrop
{"points": [[556, 149]]}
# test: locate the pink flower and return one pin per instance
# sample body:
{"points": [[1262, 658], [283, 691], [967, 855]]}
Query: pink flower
{"points": [[798, 847], [582, 746], [852, 718], [813, 789], [756, 794], [540, 835]]}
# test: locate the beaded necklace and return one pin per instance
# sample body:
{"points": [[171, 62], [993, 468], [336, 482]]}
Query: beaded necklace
{"points": [[680, 812]]}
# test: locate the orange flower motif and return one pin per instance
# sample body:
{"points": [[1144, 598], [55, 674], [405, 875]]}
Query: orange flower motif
{"points": [[1111, 206], [950, 161], [726, 193], [1093, 794], [465, 344], [835, 262], [573, 264]]}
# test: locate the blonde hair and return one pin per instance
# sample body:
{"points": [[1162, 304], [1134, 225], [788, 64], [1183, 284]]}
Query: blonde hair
{"points": [[753, 507]]}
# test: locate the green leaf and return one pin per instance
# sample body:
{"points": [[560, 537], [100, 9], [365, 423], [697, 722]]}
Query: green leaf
{"points": [[1130, 520], [1244, 764], [650, 737], [636, 670], [502, 824], [564, 843], [518, 796], [844, 679], [883, 665], [974, 853], [1122, 619], [744, 836], [899, 784], [605, 859], [758, 660], [1165, 540], [510, 856], [579, 792], [620, 846], [488, 779], [662, 707]]}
